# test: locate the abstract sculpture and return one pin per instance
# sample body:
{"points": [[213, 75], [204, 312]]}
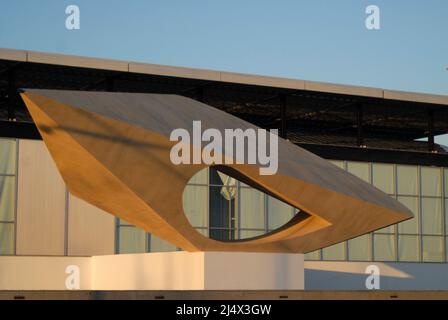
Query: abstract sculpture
{"points": [[113, 151]]}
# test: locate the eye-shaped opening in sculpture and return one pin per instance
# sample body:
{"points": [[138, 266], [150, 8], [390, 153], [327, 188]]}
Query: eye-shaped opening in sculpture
{"points": [[224, 208]]}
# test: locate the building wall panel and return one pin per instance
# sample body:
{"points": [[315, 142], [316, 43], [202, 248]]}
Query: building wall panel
{"points": [[91, 231], [41, 202]]}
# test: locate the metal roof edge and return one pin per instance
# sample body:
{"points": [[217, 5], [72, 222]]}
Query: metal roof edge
{"points": [[219, 76]]}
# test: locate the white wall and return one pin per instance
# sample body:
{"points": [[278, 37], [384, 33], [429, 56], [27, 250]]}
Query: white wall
{"points": [[40, 202], [91, 231], [49, 220], [41, 273]]}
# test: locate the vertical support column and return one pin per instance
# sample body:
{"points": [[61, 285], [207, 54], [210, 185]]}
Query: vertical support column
{"points": [[66, 221], [283, 120], [11, 95], [359, 123], [117, 235], [431, 130]]}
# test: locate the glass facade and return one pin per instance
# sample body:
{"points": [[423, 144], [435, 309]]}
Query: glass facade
{"points": [[423, 189], [223, 208], [8, 182]]}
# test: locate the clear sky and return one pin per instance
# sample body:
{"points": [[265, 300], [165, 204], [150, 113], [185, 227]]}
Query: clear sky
{"points": [[305, 39]]}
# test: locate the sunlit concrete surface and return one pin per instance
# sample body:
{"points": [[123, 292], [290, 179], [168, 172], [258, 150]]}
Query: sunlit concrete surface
{"points": [[156, 271]]}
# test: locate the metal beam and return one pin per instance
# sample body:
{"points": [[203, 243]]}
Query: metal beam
{"points": [[376, 155], [431, 130]]}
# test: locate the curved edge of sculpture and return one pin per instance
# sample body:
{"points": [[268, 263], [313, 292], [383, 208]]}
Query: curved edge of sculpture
{"points": [[113, 151]]}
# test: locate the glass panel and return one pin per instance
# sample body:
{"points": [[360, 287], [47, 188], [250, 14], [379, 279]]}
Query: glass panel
{"points": [[432, 216], [407, 182], [446, 181], [389, 229], [432, 248], [6, 238], [195, 205], [446, 217], [384, 247], [339, 163], [315, 255], [359, 248], [431, 181], [7, 198], [410, 226], [221, 211], [334, 252], [132, 240], [200, 177], [7, 156], [245, 234], [218, 178], [159, 245], [408, 248], [446, 248], [383, 177], [279, 213], [359, 169], [251, 211]]}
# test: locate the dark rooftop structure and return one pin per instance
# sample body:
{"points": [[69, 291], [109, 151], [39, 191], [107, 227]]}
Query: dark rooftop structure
{"points": [[334, 121]]}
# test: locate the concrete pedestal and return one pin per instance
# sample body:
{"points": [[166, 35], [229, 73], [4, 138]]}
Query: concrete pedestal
{"points": [[156, 271], [199, 271]]}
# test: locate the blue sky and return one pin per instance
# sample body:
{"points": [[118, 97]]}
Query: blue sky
{"points": [[312, 39]]}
